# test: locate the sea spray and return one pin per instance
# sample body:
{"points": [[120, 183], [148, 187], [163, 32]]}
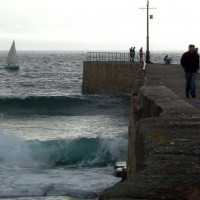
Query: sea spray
{"points": [[78, 152], [52, 166], [14, 151], [61, 152]]}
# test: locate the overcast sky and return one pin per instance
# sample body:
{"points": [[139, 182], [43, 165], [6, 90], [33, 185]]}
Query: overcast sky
{"points": [[98, 24]]}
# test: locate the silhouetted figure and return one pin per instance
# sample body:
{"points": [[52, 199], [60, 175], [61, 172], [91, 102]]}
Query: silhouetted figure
{"points": [[141, 54], [132, 54], [167, 60]]}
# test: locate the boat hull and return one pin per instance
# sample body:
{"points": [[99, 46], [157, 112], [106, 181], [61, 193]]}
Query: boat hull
{"points": [[12, 67]]}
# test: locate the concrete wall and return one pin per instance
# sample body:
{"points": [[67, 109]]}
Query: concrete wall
{"points": [[163, 158], [155, 103], [112, 78]]}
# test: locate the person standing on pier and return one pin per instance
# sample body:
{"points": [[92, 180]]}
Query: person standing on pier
{"points": [[132, 54], [190, 63], [130, 50], [141, 54]]}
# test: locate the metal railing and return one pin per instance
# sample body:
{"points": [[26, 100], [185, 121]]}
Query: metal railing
{"points": [[108, 56]]}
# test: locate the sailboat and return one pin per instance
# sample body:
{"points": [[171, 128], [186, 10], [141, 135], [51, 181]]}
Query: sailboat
{"points": [[12, 58]]}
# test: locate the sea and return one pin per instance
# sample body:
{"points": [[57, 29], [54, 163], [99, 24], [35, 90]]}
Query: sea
{"points": [[57, 143]]}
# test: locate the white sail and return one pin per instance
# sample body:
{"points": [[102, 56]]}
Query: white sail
{"points": [[12, 55]]}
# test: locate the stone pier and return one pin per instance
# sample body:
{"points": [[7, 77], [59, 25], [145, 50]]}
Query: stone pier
{"points": [[163, 140], [163, 159]]}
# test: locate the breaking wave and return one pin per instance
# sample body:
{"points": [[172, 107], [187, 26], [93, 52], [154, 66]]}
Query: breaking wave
{"points": [[87, 152], [43, 101], [61, 105]]}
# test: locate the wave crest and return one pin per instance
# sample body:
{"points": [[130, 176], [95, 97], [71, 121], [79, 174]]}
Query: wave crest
{"points": [[81, 151], [61, 152]]}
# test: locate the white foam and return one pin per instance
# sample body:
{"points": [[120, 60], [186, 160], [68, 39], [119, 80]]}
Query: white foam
{"points": [[115, 147], [14, 151], [21, 177], [79, 183]]}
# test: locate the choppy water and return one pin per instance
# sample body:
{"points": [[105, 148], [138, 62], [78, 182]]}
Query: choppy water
{"points": [[56, 143]]}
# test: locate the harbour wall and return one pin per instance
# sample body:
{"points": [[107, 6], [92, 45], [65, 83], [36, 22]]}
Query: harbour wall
{"points": [[111, 77], [163, 136], [163, 140]]}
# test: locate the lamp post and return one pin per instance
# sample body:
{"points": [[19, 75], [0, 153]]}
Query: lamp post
{"points": [[147, 50]]}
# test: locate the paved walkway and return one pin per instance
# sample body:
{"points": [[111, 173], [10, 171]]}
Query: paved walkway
{"points": [[173, 77]]}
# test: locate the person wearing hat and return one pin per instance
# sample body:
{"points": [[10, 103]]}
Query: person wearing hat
{"points": [[190, 63]]}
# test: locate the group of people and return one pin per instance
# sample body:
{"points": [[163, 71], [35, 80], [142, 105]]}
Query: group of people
{"points": [[132, 54], [190, 63]]}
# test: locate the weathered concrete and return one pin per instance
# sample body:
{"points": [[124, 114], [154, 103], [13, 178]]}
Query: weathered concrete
{"points": [[112, 78], [156, 100], [172, 77], [164, 140]]}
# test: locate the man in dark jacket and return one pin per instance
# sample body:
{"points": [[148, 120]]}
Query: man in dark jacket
{"points": [[141, 53], [190, 62]]}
